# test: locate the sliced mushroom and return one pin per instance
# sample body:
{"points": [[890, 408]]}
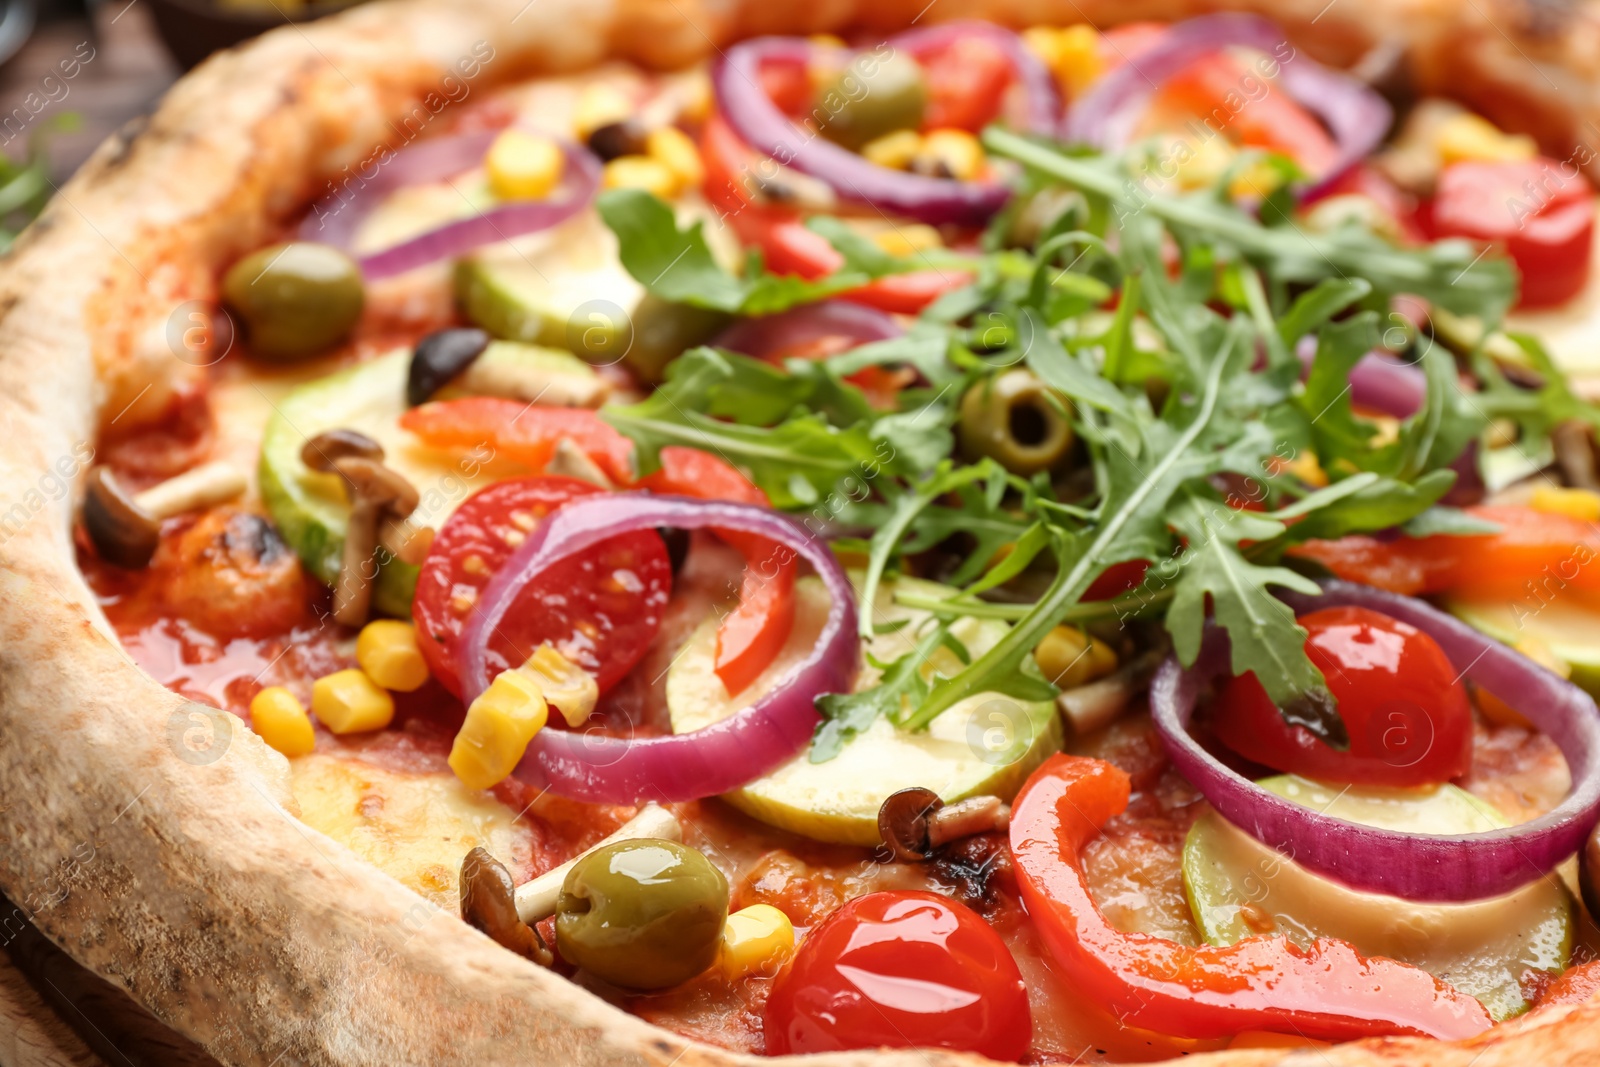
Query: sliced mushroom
{"points": [[376, 494], [1087, 708], [487, 906], [536, 900], [126, 528], [914, 822], [1574, 445]]}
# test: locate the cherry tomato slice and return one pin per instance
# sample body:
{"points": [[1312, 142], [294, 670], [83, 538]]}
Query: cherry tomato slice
{"points": [[600, 608], [1543, 215], [1213, 87], [1402, 701], [901, 969], [966, 84]]}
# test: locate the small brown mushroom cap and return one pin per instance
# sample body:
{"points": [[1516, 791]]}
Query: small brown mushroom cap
{"points": [[488, 905], [903, 822], [373, 484], [326, 448], [123, 533]]}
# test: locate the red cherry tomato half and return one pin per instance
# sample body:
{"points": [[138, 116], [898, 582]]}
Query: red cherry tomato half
{"points": [[901, 969], [1542, 211], [600, 608], [966, 84], [1401, 700]]}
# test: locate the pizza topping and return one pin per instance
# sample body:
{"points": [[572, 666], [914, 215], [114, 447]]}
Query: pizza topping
{"points": [[296, 300], [536, 900], [903, 970], [487, 906], [1325, 991], [1016, 420], [348, 702], [439, 357], [720, 757], [279, 719], [1107, 116], [915, 822], [524, 166], [387, 651], [380, 499], [644, 914], [755, 942], [1418, 867], [499, 724], [126, 528]]}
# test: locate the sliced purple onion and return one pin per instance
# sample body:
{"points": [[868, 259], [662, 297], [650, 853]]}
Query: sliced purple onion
{"points": [[599, 768], [1431, 867], [336, 218], [736, 81], [1108, 113], [790, 330]]}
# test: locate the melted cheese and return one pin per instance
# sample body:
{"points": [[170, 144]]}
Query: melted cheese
{"points": [[415, 827]]}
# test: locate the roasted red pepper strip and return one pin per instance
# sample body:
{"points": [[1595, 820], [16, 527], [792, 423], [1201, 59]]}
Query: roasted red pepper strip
{"points": [[752, 635], [1328, 991], [522, 433]]}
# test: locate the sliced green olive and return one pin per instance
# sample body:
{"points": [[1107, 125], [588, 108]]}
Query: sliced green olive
{"points": [[868, 99], [295, 299], [1016, 420], [643, 914], [663, 330]]}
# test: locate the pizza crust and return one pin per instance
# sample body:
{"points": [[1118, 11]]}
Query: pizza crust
{"points": [[152, 839]]}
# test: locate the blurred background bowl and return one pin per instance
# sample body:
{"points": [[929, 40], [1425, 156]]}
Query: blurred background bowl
{"points": [[193, 29]]}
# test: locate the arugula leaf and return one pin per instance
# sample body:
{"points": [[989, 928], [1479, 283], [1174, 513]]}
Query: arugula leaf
{"points": [[1449, 521], [1318, 305], [1062, 370], [861, 255], [846, 715]]}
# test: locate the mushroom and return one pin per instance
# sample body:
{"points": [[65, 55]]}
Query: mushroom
{"points": [[915, 822], [487, 906], [398, 538], [379, 500], [464, 356], [1573, 442], [536, 900], [574, 462], [1087, 708], [126, 528]]}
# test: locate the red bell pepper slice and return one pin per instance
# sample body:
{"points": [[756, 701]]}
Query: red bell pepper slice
{"points": [[523, 433], [751, 636], [1327, 991], [1210, 89], [787, 247]]}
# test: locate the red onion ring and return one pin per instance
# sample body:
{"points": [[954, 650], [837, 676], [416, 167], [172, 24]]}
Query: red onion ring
{"points": [[1105, 116], [335, 219], [1430, 867], [618, 770], [789, 330], [736, 81]]}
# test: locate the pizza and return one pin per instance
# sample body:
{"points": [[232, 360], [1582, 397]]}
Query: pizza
{"points": [[1029, 534]]}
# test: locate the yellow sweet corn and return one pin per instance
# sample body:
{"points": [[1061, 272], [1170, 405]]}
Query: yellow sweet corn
{"points": [[349, 702], [1469, 137], [908, 239], [571, 689], [387, 651], [673, 149], [641, 172], [1579, 503], [524, 166], [955, 152], [498, 727], [279, 719], [1072, 53], [1070, 658], [755, 938], [600, 104], [893, 150]]}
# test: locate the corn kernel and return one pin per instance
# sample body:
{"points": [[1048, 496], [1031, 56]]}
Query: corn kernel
{"points": [[279, 719], [641, 172], [755, 938], [695, 97], [1078, 61], [563, 683], [1578, 503], [893, 150], [908, 239], [955, 152], [673, 149], [600, 104], [524, 166], [1467, 136], [348, 702], [1070, 658], [387, 651], [1044, 42], [498, 727]]}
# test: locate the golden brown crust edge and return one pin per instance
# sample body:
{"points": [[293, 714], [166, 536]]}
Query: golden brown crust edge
{"points": [[184, 878]]}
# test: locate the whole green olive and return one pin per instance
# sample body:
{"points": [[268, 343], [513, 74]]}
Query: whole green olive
{"points": [[1016, 420], [295, 299], [869, 98], [643, 914], [662, 331]]}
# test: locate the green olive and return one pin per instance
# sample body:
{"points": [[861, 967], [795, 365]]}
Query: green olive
{"points": [[643, 914], [869, 98], [296, 299], [1016, 420], [662, 331]]}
